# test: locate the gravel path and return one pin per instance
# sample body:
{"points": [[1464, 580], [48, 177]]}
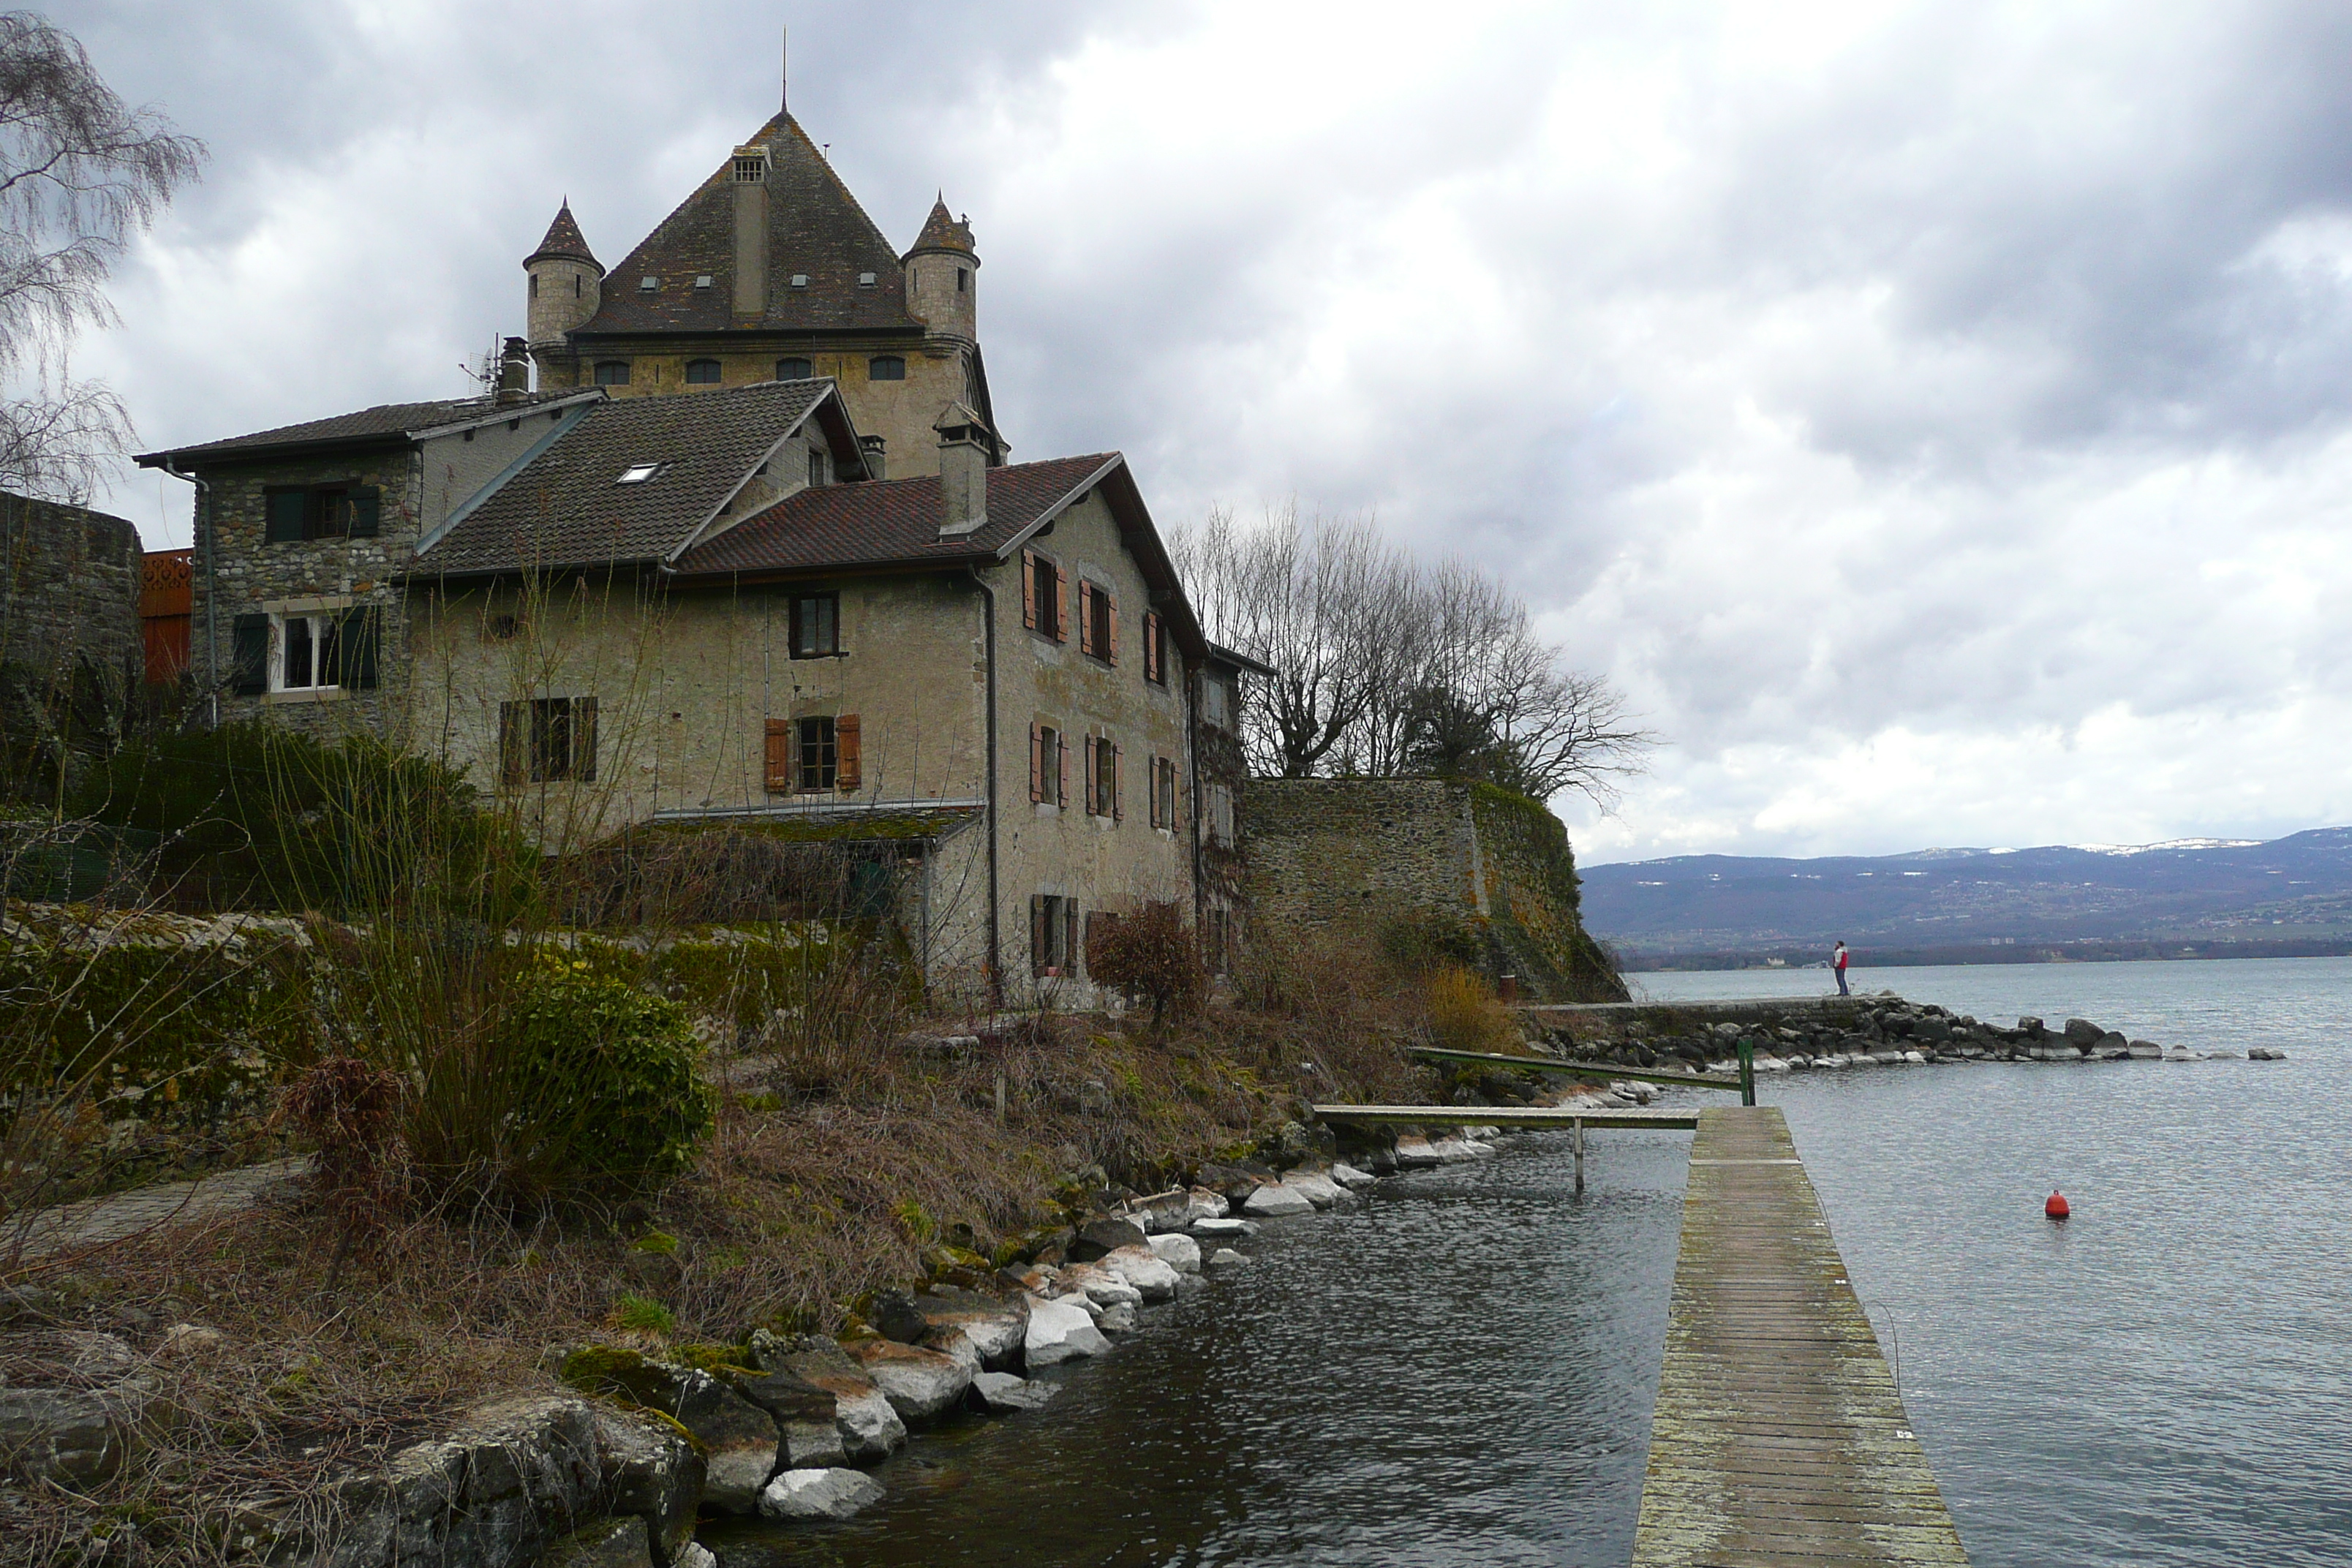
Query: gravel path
{"points": [[93, 1222]]}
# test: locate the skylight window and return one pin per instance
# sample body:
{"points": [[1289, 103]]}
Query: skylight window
{"points": [[703, 281], [647, 285], [800, 280], [638, 473], [865, 280]]}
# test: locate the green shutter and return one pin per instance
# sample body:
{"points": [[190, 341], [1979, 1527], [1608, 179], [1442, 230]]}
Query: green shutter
{"points": [[289, 514], [359, 644], [248, 671], [367, 505]]}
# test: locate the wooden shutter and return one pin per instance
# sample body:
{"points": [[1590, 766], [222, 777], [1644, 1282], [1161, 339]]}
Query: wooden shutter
{"points": [[1110, 620], [1086, 767], [844, 752], [248, 667], [514, 728], [780, 755], [1151, 670], [1118, 803], [1062, 765], [1036, 933], [367, 510], [287, 515], [1153, 788], [1086, 616], [1036, 763], [358, 634], [1061, 603], [1029, 589]]}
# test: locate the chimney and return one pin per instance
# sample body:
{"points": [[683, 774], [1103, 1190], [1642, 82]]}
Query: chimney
{"points": [[870, 449], [750, 183], [963, 471], [514, 371]]}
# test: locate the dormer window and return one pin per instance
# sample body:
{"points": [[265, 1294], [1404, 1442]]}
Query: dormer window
{"points": [[647, 285], [702, 372], [751, 167], [638, 473], [865, 280], [885, 367], [794, 370]]}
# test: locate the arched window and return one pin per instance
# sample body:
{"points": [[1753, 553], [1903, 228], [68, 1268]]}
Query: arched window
{"points": [[885, 367], [702, 372], [795, 370], [612, 373]]}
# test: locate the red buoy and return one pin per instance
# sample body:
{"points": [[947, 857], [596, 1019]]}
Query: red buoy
{"points": [[2057, 1207]]}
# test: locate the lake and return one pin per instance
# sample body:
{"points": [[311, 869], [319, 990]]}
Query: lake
{"points": [[1458, 1369]]}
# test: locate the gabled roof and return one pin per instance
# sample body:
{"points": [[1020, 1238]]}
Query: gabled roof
{"points": [[564, 240], [895, 524], [815, 229], [567, 508], [387, 424], [943, 232]]}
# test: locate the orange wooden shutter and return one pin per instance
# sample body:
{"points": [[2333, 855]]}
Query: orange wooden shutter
{"points": [[1037, 764], [779, 754], [1087, 767], [1061, 603], [1111, 616], [1154, 774], [1086, 618], [1151, 646], [844, 741], [1118, 803], [1062, 763], [1029, 589]]}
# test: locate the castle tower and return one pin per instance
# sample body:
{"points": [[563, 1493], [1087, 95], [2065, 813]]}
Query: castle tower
{"points": [[943, 277], [567, 281]]}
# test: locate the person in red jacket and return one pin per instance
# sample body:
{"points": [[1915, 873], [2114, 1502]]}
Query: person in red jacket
{"points": [[1837, 962]]}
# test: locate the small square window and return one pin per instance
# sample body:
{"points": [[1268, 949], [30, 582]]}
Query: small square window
{"points": [[794, 370], [702, 372], [612, 373], [885, 367], [638, 473], [865, 280], [647, 285], [800, 280]]}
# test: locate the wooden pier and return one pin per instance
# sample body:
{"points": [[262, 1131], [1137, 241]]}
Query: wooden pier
{"points": [[1540, 1117], [1778, 1439]]}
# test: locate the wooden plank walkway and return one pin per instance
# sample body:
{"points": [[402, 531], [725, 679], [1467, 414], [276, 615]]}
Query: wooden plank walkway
{"points": [[1500, 1116], [1574, 1070], [1778, 1439]]}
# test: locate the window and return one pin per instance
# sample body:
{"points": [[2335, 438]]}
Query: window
{"points": [[317, 650], [751, 168], [702, 372], [1102, 778], [794, 370], [1045, 597], [294, 512], [865, 280], [647, 285], [638, 473], [885, 367], [1164, 793], [548, 740], [800, 280], [1052, 935], [577, 282], [1049, 765], [1098, 623], [501, 629], [534, 285], [820, 759], [1216, 702], [812, 756], [816, 625], [612, 373], [820, 466], [703, 281], [1155, 648], [964, 280], [1220, 803]]}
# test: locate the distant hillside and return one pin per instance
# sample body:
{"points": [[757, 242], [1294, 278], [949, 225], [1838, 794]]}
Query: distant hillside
{"points": [[2292, 894]]}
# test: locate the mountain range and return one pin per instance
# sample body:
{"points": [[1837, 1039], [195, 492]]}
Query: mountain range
{"points": [[2184, 896]]}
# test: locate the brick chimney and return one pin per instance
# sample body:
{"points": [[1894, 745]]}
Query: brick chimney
{"points": [[514, 371], [750, 183], [963, 471]]}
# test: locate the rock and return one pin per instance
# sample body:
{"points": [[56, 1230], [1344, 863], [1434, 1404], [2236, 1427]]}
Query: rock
{"points": [[894, 1314], [2223, 1056], [33, 1301], [1314, 1187], [652, 1472], [694, 1555], [1152, 1277], [1914, 1058], [2030, 1027], [187, 1342], [1181, 1253], [1275, 1201], [1200, 1203], [2112, 1040], [832, 1493], [1058, 1332], [2145, 1051], [65, 1434], [1226, 1258], [1119, 1319], [1101, 1285], [1221, 1228], [984, 1330], [806, 1418], [919, 1384], [2264, 1053], [1349, 1176], [740, 1446], [1098, 1237], [2183, 1053], [862, 1415], [497, 1489], [604, 1543], [2082, 1034], [1004, 1392]]}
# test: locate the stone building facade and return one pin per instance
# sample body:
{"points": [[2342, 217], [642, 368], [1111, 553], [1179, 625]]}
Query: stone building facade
{"points": [[1450, 866]]}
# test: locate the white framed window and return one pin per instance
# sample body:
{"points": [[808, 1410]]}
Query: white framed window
{"points": [[309, 652]]}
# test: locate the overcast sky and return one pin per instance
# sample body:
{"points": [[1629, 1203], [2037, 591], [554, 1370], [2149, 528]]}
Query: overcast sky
{"points": [[1936, 417]]}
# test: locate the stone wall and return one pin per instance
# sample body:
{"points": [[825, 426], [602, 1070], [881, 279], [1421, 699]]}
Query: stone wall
{"points": [[69, 589], [1464, 868]]}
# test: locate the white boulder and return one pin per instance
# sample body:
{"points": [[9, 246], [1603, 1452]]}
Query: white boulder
{"points": [[1058, 1332], [918, 1382], [1181, 1253], [1275, 1201], [1316, 1188], [1214, 1229], [1004, 1392], [1152, 1277], [820, 1494], [1226, 1258], [1349, 1176]]}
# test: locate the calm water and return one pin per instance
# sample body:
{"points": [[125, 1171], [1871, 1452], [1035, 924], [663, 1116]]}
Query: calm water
{"points": [[1459, 1371]]}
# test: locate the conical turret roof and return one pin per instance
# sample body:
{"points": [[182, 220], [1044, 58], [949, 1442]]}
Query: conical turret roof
{"points": [[944, 231], [564, 239]]}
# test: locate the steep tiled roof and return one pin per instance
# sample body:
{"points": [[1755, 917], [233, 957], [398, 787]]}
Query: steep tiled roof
{"points": [[564, 239], [565, 508], [942, 231], [891, 523], [387, 422], [815, 229]]}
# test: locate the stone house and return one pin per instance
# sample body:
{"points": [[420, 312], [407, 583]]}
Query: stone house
{"points": [[635, 613]]}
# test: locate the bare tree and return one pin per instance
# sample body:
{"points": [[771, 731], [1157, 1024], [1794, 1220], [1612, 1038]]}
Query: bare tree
{"points": [[80, 174]]}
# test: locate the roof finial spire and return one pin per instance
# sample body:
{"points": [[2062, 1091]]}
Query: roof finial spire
{"points": [[784, 74]]}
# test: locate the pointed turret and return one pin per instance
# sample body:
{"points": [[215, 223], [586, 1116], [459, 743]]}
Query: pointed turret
{"points": [[942, 275], [942, 231], [567, 281]]}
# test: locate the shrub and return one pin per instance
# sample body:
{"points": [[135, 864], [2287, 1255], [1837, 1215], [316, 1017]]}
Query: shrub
{"points": [[1149, 953], [1464, 1015]]}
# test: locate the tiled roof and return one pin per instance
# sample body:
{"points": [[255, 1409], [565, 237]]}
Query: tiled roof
{"points": [[942, 231], [892, 522], [564, 507], [564, 239], [385, 422], [815, 230]]}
